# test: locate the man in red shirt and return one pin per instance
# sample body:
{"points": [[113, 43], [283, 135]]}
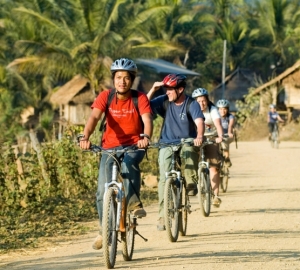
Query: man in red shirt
{"points": [[123, 128]]}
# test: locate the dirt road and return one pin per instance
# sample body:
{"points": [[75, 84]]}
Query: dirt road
{"points": [[256, 227]]}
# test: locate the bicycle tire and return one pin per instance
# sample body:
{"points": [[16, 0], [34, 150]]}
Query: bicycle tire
{"points": [[171, 209], [183, 215], [276, 143], [274, 139], [110, 234], [204, 193], [224, 178], [128, 238]]}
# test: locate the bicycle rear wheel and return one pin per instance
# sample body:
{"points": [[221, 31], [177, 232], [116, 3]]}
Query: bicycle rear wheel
{"points": [[183, 215], [110, 234], [171, 209], [204, 194], [128, 237], [224, 176]]}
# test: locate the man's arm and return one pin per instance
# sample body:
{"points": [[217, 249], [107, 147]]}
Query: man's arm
{"points": [[148, 129], [89, 128], [230, 127], [199, 122], [218, 125], [279, 118], [154, 88]]}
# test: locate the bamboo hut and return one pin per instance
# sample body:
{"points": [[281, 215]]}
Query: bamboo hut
{"points": [[74, 100], [284, 90], [237, 85]]}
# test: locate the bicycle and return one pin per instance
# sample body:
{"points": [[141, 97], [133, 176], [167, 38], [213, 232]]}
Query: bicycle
{"points": [[176, 201], [116, 219], [275, 136], [224, 170], [205, 192]]}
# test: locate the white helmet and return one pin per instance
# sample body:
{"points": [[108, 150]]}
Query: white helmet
{"points": [[124, 64], [223, 103], [272, 106], [199, 92]]}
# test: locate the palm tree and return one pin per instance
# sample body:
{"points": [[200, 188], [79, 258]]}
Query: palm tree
{"points": [[276, 42]]}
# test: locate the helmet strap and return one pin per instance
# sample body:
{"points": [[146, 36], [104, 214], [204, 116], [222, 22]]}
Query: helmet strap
{"points": [[178, 95]]}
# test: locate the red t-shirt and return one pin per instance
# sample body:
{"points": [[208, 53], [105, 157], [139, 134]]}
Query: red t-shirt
{"points": [[123, 125]]}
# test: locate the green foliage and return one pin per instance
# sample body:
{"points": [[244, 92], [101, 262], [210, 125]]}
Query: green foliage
{"points": [[247, 108], [31, 208]]}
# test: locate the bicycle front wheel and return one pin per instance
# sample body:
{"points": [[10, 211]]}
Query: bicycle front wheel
{"points": [[128, 237], [183, 214], [171, 210], [204, 194], [110, 233], [275, 139], [224, 176]]}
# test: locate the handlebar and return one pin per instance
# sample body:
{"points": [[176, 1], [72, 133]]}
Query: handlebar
{"points": [[188, 141], [176, 146], [98, 149]]}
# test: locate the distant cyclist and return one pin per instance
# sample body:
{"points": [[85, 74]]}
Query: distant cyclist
{"points": [[273, 117], [213, 128], [227, 121]]}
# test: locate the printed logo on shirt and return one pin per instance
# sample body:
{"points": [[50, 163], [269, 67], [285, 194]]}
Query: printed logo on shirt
{"points": [[121, 113], [182, 115]]}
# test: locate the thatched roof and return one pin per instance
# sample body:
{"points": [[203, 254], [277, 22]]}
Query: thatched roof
{"points": [[279, 78], [67, 92], [236, 85]]}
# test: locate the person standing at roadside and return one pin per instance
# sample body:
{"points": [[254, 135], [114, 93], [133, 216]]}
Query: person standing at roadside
{"points": [[182, 119], [124, 124]]}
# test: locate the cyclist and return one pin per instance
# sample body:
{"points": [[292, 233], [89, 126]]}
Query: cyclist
{"points": [[123, 128], [213, 128], [227, 121], [273, 117], [182, 119]]}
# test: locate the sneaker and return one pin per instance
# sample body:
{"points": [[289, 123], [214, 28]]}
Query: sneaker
{"points": [[217, 201], [161, 224], [228, 162], [97, 242], [139, 213], [191, 189]]}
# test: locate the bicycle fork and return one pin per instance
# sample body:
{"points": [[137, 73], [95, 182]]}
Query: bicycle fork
{"points": [[120, 196], [178, 185]]}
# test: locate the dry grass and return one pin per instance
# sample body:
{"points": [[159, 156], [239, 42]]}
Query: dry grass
{"points": [[256, 129]]}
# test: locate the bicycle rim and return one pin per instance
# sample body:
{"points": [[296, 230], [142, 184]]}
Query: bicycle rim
{"points": [[204, 193], [171, 210], [110, 234], [128, 238], [274, 139], [224, 178], [183, 215]]}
